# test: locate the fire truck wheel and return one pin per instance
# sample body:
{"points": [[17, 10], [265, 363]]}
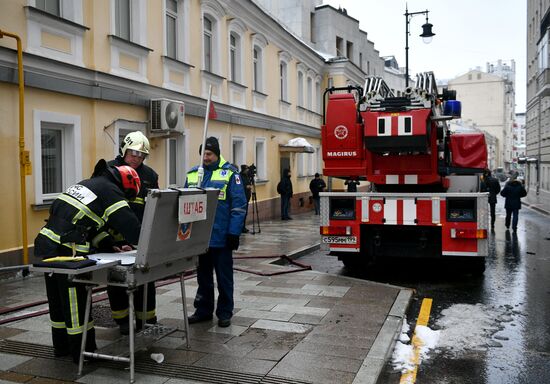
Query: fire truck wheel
{"points": [[477, 266]]}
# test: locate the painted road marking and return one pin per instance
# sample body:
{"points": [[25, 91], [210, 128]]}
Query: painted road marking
{"points": [[409, 377]]}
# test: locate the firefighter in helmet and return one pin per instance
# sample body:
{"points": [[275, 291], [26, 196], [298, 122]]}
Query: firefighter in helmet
{"points": [[134, 151], [76, 217]]}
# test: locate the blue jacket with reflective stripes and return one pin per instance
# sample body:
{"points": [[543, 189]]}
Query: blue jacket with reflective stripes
{"points": [[232, 204]]}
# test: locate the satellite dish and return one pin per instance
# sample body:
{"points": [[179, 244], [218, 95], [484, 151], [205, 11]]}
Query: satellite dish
{"points": [[171, 115]]}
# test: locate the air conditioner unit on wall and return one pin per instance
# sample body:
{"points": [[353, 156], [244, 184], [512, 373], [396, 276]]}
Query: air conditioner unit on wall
{"points": [[167, 116]]}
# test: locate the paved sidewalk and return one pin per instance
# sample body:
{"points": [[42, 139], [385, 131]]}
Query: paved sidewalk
{"points": [[290, 325]]}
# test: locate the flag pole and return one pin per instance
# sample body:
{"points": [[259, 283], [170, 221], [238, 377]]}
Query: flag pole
{"points": [[204, 134]]}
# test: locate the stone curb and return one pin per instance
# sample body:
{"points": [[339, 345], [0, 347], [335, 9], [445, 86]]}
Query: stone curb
{"points": [[385, 340]]}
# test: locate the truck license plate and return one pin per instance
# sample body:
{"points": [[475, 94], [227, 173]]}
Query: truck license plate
{"points": [[340, 239]]}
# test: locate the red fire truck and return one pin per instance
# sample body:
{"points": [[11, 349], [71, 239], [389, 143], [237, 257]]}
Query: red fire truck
{"points": [[423, 198]]}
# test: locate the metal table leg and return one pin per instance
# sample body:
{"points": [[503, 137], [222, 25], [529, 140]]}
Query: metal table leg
{"points": [[131, 335], [183, 301], [85, 328], [144, 311]]}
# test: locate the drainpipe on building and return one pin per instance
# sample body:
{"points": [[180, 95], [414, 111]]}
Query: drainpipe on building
{"points": [[24, 156], [537, 165]]}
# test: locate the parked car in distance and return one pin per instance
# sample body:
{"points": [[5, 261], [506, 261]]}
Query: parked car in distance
{"points": [[500, 174]]}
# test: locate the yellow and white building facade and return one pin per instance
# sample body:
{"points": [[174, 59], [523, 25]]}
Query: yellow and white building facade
{"points": [[92, 68]]}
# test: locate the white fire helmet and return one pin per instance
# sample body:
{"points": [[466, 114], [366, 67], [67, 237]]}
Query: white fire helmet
{"points": [[135, 141]]}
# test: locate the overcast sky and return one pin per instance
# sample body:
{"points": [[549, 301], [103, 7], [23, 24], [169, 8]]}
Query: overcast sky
{"points": [[469, 33]]}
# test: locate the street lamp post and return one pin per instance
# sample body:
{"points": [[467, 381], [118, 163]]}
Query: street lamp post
{"points": [[426, 35]]}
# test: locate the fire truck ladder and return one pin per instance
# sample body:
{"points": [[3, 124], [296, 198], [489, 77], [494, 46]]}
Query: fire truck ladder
{"points": [[375, 86]]}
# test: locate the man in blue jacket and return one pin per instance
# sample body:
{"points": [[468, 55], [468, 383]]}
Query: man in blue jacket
{"points": [[513, 191], [228, 224]]}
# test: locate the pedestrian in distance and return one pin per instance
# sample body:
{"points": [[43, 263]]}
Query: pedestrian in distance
{"points": [[134, 150], [352, 184], [513, 191], [76, 218], [228, 224], [492, 185], [315, 186], [246, 179], [284, 188]]}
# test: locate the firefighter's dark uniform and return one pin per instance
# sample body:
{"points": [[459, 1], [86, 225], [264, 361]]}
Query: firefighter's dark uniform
{"points": [[77, 216], [118, 297]]}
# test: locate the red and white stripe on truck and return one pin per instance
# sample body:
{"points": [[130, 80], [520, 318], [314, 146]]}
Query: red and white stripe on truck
{"points": [[461, 218]]}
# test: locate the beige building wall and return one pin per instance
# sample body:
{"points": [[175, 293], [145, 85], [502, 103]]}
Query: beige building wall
{"points": [[483, 103]]}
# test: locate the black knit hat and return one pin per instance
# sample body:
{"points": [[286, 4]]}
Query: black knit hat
{"points": [[212, 145]]}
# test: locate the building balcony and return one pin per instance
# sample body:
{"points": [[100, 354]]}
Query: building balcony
{"points": [[543, 83]]}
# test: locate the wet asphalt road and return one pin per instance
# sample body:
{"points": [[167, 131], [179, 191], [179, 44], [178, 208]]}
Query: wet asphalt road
{"points": [[514, 292]]}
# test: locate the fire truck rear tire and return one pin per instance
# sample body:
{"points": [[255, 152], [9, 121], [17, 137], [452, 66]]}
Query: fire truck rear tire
{"points": [[477, 266]]}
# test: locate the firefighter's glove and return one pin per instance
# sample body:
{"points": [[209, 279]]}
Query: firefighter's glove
{"points": [[232, 242]]}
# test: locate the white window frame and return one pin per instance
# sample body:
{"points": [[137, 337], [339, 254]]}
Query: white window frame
{"points": [[71, 147], [318, 159], [138, 21], [181, 142], [259, 42], [317, 95], [284, 61], [138, 35], [37, 24], [240, 157], [300, 164], [178, 31], [260, 158], [310, 165], [257, 65], [208, 51], [236, 29], [309, 90], [300, 89], [212, 10]]}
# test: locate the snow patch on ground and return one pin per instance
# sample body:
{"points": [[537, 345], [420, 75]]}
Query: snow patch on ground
{"points": [[469, 327], [460, 328], [403, 354]]}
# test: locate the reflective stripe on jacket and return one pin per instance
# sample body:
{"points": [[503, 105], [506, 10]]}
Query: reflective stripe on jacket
{"points": [[232, 203]]}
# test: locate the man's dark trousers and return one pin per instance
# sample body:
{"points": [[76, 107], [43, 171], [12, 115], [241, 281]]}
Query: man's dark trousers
{"points": [[492, 207], [285, 205], [219, 260], [514, 215]]}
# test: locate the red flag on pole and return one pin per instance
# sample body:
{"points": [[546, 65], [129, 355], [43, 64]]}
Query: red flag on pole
{"points": [[212, 114]]}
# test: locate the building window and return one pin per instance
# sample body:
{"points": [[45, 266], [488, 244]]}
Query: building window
{"points": [[171, 28], [50, 6], [310, 164], [123, 19], [339, 46], [300, 89], [542, 49], [175, 161], [58, 163], [260, 159], [239, 152], [318, 158], [283, 80], [318, 97], [207, 41], [300, 164], [349, 50], [309, 91], [52, 159], [368, 67], [235, 54], [360, 60], [257, 69], [312, 27]]}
